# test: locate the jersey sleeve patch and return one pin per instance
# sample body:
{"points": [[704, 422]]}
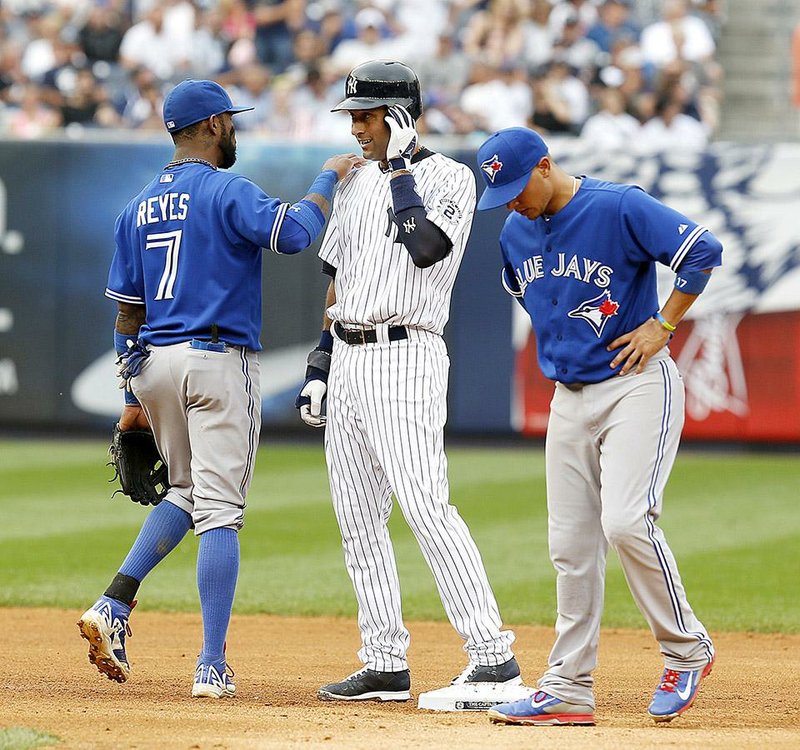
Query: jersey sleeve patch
{"points": [[449, 210]]}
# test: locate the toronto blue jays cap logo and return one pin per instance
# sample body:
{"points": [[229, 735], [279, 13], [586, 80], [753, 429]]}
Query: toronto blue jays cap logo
{"points": [[492, 166], [596, 311], [506, 160]]}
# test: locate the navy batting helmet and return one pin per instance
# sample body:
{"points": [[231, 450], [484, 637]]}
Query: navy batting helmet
{"points": [[380, 83]]}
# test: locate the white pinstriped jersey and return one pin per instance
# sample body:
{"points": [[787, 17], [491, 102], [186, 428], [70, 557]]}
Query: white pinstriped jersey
{"points": [[376, 280]]}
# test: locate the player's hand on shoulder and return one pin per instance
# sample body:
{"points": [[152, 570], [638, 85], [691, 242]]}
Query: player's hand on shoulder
{"points": [[638, 346], [343, 164], [403, 134]]}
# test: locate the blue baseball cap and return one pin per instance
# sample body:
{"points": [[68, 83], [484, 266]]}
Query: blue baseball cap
{"points": [[506, 161], [193, 101]]}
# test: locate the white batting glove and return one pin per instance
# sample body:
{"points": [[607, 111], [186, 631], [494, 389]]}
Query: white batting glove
{"points": [[403, 137], [311, 413]]}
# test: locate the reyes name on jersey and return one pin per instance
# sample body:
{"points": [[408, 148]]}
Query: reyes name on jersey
{"points": [[188, 247]]}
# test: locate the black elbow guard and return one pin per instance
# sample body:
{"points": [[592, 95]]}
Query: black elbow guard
{"points": [[425, 242]]}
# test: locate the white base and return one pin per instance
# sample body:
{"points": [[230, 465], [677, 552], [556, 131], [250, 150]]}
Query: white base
{"points": [[472, 697]]}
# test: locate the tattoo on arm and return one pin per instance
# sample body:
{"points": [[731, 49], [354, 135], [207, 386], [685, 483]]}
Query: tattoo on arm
{"points": [[130, 318], [319, 201]]}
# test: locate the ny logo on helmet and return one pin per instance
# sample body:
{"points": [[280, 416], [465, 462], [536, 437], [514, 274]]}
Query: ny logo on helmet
{"points": [[491, 167], [352, 85]]}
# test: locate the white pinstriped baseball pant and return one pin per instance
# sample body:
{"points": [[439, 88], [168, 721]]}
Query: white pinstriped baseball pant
{"points": [[386, 413]]}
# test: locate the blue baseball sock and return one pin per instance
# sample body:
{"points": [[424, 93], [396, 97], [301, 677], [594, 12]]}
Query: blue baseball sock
{"points": [[217, 571], [161, 532]]}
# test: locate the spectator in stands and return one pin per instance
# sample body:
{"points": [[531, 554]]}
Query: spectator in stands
{"points": [[313, 101], [307, 50], [611, 128], [282, 120], [421, 23], [496, 35], [580, 53], [39, 55], [33, 118], [238, 20], [671, 130], [613, 22], [81, 103], [538, 48], [370, 43], [252, 89], [497, 97], [316, 41], [564, 96], [333, 28], [148, 43], [584, 10], [209, 47], [443, 75], [101, 36], [142, 102], [678, 36], [276, 22]]}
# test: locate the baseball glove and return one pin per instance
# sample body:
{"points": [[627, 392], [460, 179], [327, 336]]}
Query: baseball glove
{"points": [[140, 469]]}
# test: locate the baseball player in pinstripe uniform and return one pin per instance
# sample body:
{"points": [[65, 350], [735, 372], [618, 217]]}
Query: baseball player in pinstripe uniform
{"points": [[186, 275], [579, 256], [393, 247]]}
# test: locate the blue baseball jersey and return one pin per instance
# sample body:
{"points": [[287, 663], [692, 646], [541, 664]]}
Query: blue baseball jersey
{"points": [[587, 275], [188, 247]]}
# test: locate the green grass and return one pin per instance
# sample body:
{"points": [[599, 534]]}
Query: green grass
{"points": [[22, 738], [732, 521]]}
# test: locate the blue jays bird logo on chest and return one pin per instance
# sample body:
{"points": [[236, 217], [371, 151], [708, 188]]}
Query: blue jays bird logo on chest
{"points": [[491, 167], [597, 311]]}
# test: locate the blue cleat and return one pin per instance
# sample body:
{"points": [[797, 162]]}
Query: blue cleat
{"points": [[213, 680], [676, 691], [106, 627], [543, 709]]}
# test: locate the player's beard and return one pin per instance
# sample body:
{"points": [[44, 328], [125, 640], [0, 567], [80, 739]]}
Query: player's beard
{"points": [[227, 146]]}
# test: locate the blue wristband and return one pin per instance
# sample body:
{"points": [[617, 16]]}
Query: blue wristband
{"points": [[121, 341], [121, 347], [691, 282], [309, 216], [324, 184], [326, 342], [404, 193]]}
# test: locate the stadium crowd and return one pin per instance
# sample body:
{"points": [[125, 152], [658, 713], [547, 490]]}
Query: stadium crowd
{"points": [[614, 71]]}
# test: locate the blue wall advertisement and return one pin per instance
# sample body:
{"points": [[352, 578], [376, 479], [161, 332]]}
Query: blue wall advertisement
{"points": [[59, 200]]}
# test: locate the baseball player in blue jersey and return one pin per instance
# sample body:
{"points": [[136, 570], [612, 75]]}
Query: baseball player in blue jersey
{"points": [[579, 255], [186, 275]]}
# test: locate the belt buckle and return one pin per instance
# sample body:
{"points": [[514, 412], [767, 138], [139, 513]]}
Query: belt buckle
{"points": [[354, 337]]}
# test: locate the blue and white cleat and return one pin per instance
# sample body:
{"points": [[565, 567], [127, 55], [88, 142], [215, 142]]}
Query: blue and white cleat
{"points": [[676, 691], [106, 627], [213, 680], [541, 708]]}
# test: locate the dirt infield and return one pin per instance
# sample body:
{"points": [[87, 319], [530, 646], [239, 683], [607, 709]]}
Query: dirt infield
{"points": [[752, 699]]}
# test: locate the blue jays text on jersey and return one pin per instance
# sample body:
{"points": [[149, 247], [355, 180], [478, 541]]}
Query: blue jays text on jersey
{"points": [[189, 248], [586, 275]]}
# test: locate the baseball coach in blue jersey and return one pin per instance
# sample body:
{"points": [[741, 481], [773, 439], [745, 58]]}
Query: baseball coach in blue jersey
{"points": [[579, 255], [186, 275]]}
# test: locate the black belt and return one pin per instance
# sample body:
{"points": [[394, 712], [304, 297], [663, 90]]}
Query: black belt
{"points": [[368, 335], [574, 386]]}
